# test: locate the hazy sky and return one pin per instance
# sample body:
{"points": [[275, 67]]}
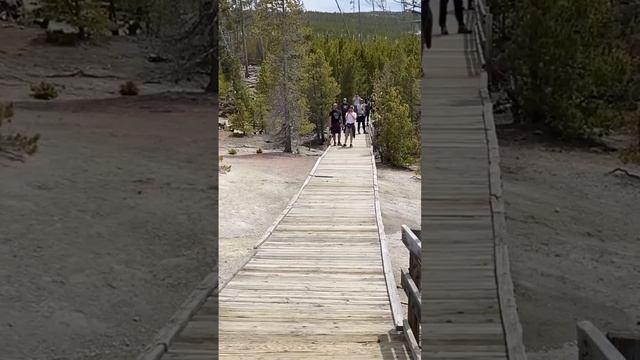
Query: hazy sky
{"points": [[345, 5]]}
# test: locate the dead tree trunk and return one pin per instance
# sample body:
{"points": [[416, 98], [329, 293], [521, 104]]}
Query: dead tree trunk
{"points": [[244, 40]]}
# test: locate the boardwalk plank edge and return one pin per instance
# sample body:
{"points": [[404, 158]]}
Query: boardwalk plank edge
{"points": [[387, 266], [210, 285], [275, 224], [163, 339], [506, 297], [284, 212]]}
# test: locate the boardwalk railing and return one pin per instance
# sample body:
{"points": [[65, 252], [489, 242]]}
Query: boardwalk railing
{"points": [[372, 139], [411, 285], [482, 26], [482, 21], [165, 336], [593, 345]]}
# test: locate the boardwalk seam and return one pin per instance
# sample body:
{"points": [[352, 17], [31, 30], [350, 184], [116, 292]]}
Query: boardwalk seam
{"points": [[392, 289]]}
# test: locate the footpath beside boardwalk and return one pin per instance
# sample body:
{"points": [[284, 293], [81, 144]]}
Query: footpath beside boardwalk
{"points": [[468, 308], [318, 284]]}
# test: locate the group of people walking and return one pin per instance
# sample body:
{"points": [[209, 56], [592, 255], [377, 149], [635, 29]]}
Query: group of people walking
{"points": [[345, 116]]}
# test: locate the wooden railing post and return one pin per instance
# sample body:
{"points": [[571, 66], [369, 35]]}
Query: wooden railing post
{"points": [[488, 46], [593, 345], [411, 285], [628, 343], [414, 272]]}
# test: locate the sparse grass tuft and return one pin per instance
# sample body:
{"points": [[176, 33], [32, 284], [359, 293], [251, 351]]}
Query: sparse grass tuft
{"points": [[16, 141], [129, 89], [44, 91], [224, 168]]}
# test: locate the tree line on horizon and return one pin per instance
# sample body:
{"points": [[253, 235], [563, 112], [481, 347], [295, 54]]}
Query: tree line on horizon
{"points": [[302, 73]]}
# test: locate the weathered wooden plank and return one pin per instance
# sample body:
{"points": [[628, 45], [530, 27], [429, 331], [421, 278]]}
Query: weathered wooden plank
{"points": [[411, 340], [411, 241], [412, 292], [323, 270], [290, 205], [627, 342], [180, 319], [511, 321], [461, 306], [394, 299], [593, 345]]}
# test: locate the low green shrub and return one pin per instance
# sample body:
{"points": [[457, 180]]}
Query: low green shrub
{"points": [[44, 91], [129, 89]]}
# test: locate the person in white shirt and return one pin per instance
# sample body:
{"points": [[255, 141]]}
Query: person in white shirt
{"points": [[350, 126]]}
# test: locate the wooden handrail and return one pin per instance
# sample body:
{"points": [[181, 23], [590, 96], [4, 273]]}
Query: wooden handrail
{"points": [[415, 302], [410, 281], [593, 345], [411, 241], [482, 24]]}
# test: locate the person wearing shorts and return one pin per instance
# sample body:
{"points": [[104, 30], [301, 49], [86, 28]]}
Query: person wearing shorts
{"points": [[350, 126], [335, 116]]}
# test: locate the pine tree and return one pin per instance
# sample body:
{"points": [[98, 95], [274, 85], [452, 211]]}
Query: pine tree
{"points": [[281, 20], [237, 100], [397, 138], [269, 74], [320, 89]]}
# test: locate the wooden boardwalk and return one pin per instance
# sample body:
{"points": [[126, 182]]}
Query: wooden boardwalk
{"points": [[316, 286], [468, 311]]}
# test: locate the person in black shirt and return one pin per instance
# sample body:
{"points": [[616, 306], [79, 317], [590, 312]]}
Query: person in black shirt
{"points": [[367, 110], [344, 107], [335, 117]]}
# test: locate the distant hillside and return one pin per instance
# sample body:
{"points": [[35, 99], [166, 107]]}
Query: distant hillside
{"points": [[371, 24], [389, 24]]}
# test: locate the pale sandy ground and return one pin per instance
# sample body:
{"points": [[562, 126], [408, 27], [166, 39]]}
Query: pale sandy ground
{"points": [[109, 227], [574, 237], [259, 187], [98, 69]]}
